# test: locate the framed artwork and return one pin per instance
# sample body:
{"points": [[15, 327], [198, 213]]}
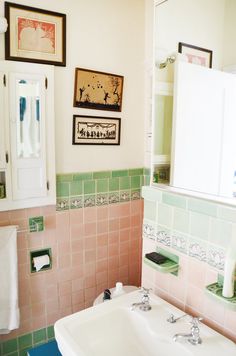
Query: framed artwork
{"points": [[196, 55], [95, 130], [98, 90], [35, 35]]}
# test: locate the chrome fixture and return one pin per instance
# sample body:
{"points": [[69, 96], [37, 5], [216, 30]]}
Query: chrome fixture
{"points": [[170, 59], [172, 319], [194, 336], [144, 305]]}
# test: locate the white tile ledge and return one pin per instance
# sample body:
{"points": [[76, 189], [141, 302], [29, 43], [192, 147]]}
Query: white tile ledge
{"points": [[152, 193]]}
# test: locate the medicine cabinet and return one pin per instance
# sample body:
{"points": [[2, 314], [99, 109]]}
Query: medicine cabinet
{"points": [[27, 157]]}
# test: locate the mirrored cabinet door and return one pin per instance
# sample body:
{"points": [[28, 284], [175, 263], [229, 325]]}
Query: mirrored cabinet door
{"points": [[27, 127]]}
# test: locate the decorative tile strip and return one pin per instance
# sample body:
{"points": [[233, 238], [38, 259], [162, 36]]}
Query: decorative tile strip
{"points": [[163, 236], [149, 231], [197, 250], [216, 257], [180, 242], [101, 199], [62, 204]]}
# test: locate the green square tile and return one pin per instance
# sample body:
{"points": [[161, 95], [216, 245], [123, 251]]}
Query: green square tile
{"points": [[13, 354], [89, 186], [39, 336], [135, 182], [36, 224], [164, 216], [9, 346], [220, 232], [113, 184], [25, 341], [150, 210], [136, 172], [83, 176], [24, 352], [203, 207], [174, 199], [102, 185], [76, 188], [62, 189], [64, 177], [199, 225], [124, 183], [181, 220], [101, 175], [122, 173], [50, 332], [227, 213]]}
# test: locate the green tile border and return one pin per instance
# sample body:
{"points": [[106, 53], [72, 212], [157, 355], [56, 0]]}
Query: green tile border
{"points": [[21, 344], [88, 189]]}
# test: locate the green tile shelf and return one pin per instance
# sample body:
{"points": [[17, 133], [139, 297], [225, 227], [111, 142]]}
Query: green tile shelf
{"points": [[214, 290], [170, 266]]}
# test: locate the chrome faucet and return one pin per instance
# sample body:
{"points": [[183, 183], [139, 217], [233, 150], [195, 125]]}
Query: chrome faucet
{"points": [[194, 336], [144, 305], [172, 319]]}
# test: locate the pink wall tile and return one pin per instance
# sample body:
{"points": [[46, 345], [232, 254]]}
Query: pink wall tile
{"points": [[90, 214], [102, 213]]}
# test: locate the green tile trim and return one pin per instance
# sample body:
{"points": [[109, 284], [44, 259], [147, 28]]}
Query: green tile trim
{"points": [[76, 188], [25, 341], [100, 175], [9, 346], [125, 183], [135, 182], [89, 187], [102, 185], [113, 184], [203, 207], [122, 173], [174, 199], [50, 332], [39, 336], [62, 189], [82, 176], [64, 177], [136, 172]]}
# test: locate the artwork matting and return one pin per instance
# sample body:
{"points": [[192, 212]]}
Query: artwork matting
{"points": [[35, 35], [95, 130]]}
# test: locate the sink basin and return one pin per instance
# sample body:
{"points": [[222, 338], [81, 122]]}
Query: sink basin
{"points": [[113, 329]]}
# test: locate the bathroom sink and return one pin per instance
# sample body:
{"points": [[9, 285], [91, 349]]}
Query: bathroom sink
{"points": [[112, 328]]}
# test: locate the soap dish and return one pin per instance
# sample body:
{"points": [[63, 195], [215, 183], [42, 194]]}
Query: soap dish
{"points": [[215, 291], [170, 264]]}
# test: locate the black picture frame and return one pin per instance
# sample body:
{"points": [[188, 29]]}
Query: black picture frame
{"points": [[196, 55]]}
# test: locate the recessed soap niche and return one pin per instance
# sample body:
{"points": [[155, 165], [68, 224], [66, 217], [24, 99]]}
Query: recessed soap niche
{"points": [[38, 253]]}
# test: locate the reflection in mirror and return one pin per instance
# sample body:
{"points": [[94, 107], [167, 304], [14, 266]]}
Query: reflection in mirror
{"points": [[28, 119]]}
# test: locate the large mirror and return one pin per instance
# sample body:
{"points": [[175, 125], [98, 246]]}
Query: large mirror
{"points": [[203, 23]]}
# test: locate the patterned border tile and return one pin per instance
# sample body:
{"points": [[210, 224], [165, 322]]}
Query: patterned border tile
{"points": [[216, 257]]}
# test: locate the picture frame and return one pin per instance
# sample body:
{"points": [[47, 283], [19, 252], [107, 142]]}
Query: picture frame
{"points": [[98, 90], [35, 35], [196, 55], [96, 130]]}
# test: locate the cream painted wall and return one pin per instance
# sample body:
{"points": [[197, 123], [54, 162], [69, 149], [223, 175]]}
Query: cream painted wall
{"points": [[197, 22], [229, 48], [104, 35]]}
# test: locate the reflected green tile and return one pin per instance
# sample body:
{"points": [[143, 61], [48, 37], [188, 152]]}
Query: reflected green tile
{"points": [[136, 172], [181, 220], [199, 225], [100, 175], [150, 210], [121, 173], [25, 341], [228, 214], [24, 352], [13, 354], [9, 346], [82, 176], [50, 332], [89, 186], [124, 183], [76, 188], [203, 207], [102, 185], [64, 177], [62, 189], [152, 194], [113, 184], [39, 336], [174, 199], [220, 232], [164, 215], [135, 182]]}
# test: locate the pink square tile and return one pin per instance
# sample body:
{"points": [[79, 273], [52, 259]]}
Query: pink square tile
{"points": [[23, 257], [48, 210], [66, 311], [38, 310], [102, 213], [90, 293], [50, 222], [124, 235], [101, 266], [52, 305], [90, 268], [136, 233], [230, 320], [21, 241], [195, 298], [123, 272], [77, 284], [77, 231], [77, 307], [101, 278], [77, 272], [78, 297], [197, 273], [113, 237], [124, 260], [114, 224], [65, 288], [102, 240], [89, 281], [113, 262], [134, 245], [124, 247], [25, 313], [64, 301], [102, 226], [5, 217], [136, 206], [51, 292], [76, 216], [113, 277], [114, 211], [213, 310], [113, 250], [124, 209], [90, 256], [90, 215], [90, 229], [64, 274], [90, 243], [125, 222], [77, 259], [17, 214], [65, 247], [102, 252], [52, 317], [63, 219], [136, 220], [78, 245]]}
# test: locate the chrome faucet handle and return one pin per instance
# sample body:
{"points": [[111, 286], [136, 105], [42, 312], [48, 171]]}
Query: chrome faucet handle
{"points": [[172, 319], [195, 321], [145, 291]]}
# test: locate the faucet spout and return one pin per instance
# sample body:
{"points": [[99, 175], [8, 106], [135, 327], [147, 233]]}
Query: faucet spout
{"points": [[176, 337]]}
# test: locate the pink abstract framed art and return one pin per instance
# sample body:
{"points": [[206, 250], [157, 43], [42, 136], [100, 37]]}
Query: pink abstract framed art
{"points": [[35, 35], [196, 55]]}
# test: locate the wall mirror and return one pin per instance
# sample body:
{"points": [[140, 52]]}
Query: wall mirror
{"points": [[209, 25]]}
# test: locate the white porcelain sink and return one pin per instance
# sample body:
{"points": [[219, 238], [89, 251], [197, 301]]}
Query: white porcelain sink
{"points": [[113, 329]]}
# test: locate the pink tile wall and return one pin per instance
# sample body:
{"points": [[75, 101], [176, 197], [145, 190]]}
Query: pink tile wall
{"points": [[92, 249], [186, 291]]}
